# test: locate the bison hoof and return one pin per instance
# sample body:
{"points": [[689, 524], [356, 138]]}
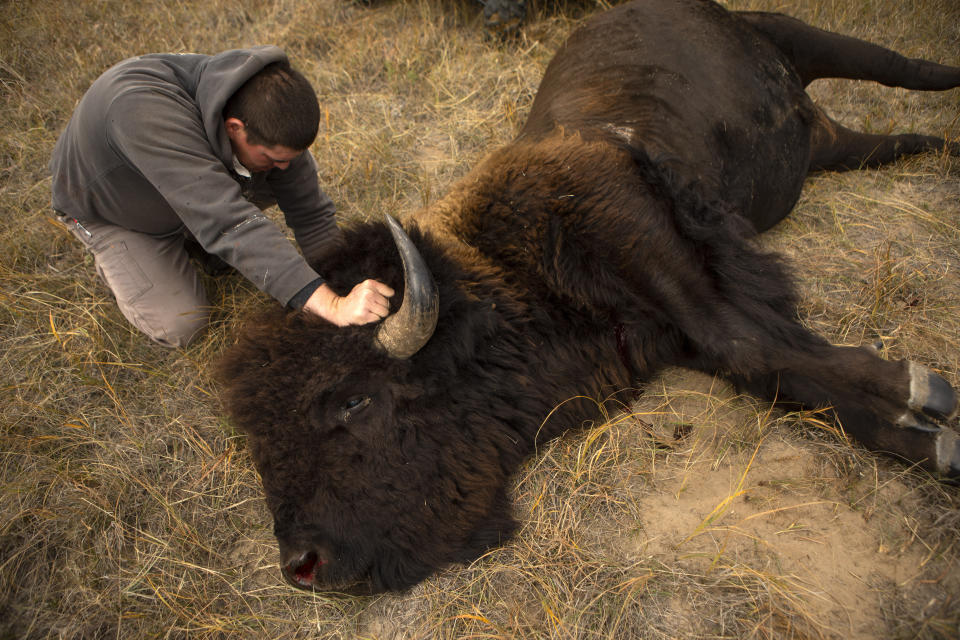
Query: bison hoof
{"points": [[953, 471], [933, 447], [948, 455], [930, 394]]}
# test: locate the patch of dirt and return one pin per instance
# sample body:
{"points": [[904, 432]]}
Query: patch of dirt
{"points": [[779, 515]]}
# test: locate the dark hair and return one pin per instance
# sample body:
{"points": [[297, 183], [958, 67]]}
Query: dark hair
{"points": [[277, 106]]}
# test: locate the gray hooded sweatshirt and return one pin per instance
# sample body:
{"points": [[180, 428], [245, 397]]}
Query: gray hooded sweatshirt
{"points": [[147, 150]]}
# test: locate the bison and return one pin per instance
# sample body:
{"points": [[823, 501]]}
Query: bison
{"points": [[610, 239]]}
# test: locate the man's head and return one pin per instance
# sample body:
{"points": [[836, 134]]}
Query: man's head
{"points": [[272, 117], [257, 157]]}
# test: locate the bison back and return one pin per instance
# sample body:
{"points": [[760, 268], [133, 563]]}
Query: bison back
{"points": [[695, 87]]}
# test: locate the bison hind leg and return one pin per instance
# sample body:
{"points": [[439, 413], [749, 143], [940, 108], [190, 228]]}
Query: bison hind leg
{"points": [[816, 53], [834, 147]]}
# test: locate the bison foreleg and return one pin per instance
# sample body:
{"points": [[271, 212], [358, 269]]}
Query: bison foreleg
{"points": [[914, 436], [892, 406]]}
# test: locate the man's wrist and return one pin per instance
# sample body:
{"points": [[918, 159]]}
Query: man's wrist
{"points": [[324, 303], [300, 298]]}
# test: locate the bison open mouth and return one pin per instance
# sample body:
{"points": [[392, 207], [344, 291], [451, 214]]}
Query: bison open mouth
{"points": [[302, 572]]}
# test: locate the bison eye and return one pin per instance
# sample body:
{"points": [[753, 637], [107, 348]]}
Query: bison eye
{"points": [[353, 406]]}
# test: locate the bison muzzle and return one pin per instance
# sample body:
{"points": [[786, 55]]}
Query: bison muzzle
{"points": [[610, 239]]}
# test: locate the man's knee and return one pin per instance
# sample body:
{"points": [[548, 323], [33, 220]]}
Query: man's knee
{"points": [[157, 289], [183, 329], [167, 325]]}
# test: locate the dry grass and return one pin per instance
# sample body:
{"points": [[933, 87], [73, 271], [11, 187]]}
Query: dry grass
{"points": [[129, 509]]}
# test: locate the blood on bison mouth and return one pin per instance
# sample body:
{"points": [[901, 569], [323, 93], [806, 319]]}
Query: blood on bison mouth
{"points": [[302, 573]]}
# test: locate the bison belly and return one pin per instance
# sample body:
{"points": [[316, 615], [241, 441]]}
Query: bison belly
{"points": [[696, 88]]}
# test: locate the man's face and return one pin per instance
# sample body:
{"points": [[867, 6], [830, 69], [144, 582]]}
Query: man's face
{"points": [[257, 157]]}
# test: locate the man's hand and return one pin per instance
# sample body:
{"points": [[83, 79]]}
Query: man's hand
{"points": [[367, 302]]}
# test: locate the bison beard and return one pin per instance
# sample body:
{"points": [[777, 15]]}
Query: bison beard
{"points": [[609, 240]]}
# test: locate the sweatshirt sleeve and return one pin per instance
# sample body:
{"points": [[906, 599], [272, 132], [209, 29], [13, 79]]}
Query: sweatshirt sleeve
{"points": [[307, 210], [161, 134]]}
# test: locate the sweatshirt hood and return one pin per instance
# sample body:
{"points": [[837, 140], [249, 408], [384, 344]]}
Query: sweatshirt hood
{"points": [[219, 79]]}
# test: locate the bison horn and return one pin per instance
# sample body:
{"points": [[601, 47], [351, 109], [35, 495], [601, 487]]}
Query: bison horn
{"points": [[403, 333]]}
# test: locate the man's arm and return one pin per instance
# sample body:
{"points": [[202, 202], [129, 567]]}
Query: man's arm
{"points": [[173, 154], [310, 213], [307, 210]]}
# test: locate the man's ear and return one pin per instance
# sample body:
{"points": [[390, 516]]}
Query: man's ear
{"points": [[234, 126]]}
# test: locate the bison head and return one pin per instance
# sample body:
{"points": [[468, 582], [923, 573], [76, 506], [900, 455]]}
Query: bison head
{"points": [[379, 469]]}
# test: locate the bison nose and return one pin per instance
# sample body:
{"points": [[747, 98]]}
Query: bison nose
{"points": [[301, 569]]}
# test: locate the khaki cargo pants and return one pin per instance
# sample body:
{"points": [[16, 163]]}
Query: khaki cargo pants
{"points": [[157, 288]]}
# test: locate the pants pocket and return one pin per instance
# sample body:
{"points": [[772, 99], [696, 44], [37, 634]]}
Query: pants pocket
{"points": [[120, 270]]}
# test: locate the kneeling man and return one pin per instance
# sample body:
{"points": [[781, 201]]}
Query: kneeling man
{"points": [[172, 155]]}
